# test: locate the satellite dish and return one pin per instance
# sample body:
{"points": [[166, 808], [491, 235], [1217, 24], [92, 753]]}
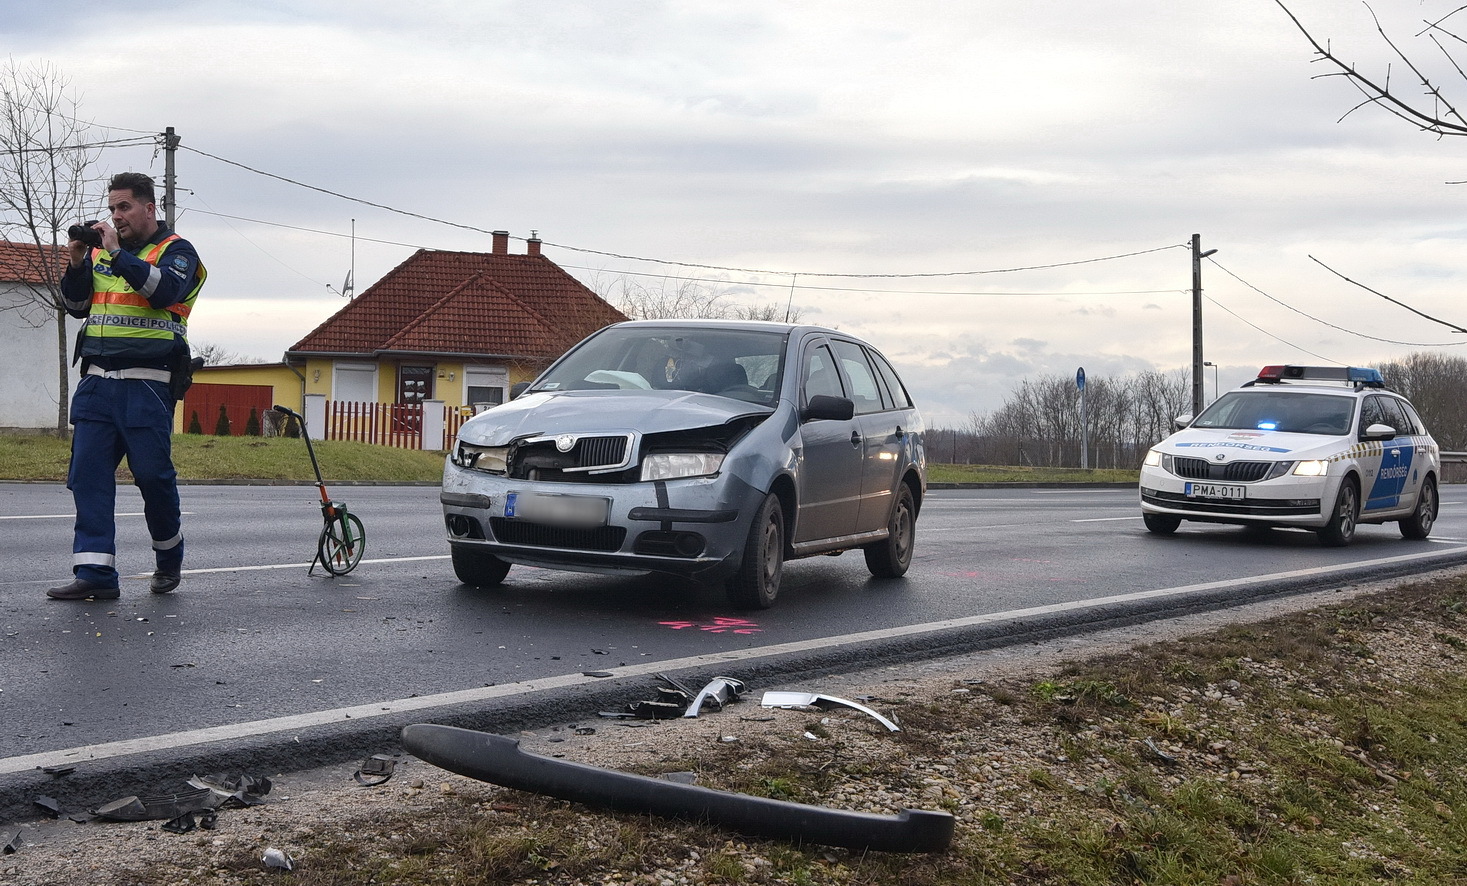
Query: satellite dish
{"points": [[346, 287]]}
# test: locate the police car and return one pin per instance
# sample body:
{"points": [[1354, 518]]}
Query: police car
{"points": [[1318, 447]]}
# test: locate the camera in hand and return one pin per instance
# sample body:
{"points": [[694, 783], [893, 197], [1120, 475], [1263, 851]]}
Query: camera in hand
{"points": [[86, 233]]}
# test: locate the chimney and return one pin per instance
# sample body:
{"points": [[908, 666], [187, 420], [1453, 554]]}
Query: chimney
{"points": [[532, 245], [501, 243]]}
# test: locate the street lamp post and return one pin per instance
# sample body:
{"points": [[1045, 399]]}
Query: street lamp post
{"points": [[1215, 390]]}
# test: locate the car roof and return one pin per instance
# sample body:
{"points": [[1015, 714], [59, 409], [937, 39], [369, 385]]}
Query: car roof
{"points": [[751, 325]]}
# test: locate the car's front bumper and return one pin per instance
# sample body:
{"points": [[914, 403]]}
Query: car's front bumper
{"points": [[695, 528], [1283, 501]]}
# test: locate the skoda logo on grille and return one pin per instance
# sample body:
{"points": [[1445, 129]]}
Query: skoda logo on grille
{"points": [[1220, 456], [565, 442]]}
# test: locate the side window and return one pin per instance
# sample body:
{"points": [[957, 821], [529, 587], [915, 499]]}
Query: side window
{"points": [[1394, 416], [1417, 426], [893, 383], [820, 375], [1371, 413], [864, 390]]}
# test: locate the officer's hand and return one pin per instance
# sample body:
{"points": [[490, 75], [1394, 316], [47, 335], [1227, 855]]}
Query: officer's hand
{"points": [[109, 236], [78, 252]]}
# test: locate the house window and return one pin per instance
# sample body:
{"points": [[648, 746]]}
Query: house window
{"points": [[354, 382], [484, 386], [414, 384]]}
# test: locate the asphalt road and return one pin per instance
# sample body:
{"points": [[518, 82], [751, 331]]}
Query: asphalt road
{"points": [[253, 661]]}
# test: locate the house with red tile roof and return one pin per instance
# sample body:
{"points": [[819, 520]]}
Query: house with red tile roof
{"points": [[457, 328], [31, 346], [460, 327]]}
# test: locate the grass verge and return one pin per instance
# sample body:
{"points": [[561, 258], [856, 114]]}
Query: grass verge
{"points": [[1319, 747], [36, 457]]}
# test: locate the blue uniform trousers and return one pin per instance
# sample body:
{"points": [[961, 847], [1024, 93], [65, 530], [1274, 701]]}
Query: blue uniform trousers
{"points": [[113, 418]]}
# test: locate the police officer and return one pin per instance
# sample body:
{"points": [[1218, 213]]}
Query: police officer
{"points": [[135, 291]]}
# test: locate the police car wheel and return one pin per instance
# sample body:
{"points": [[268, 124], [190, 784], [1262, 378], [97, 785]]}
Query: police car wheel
{"points": [[1418, 525], [1341, 526], [1161, 524]]}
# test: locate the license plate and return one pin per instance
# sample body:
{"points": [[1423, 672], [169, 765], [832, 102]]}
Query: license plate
{"points": [[1213, 490], [557, 510]]}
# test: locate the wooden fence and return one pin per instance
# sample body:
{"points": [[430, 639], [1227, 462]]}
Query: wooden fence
{"points": [[399, 425]]}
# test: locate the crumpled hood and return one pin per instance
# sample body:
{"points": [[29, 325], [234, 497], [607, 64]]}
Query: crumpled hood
{"points": [[595, 412], [1236, 444]]}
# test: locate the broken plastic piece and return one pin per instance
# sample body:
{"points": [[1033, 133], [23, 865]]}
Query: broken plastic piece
{"points": [[499, 760], [780, 699], [376, 770], [12, 844], [50, 804], [719, 692], [274, 858]]}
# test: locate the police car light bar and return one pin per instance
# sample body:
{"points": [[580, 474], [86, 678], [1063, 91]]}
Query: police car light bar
{"points": [[1349, 374]]}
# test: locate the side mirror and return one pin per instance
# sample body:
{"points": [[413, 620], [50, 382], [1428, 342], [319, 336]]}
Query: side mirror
{"points": [[517, 389], [1379, 432], [1182, 421], [823, 407]]}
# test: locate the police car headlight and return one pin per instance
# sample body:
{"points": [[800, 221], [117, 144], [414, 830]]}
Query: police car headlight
{"points": [[677, 465], [1153, 458], [1311, 468]]}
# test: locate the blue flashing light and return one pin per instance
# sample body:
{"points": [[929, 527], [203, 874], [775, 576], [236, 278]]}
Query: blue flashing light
{"points": [[1268, 426], [1365, 376]]}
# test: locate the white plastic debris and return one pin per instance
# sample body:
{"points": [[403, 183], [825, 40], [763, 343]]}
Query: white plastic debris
{"points": [[275, 858]]}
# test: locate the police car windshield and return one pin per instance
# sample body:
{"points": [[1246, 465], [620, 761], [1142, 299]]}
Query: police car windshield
{"points": [[1280, 410]]}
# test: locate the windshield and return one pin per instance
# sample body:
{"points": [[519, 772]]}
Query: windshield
{"points": [[1279, 410], [743, 364]]}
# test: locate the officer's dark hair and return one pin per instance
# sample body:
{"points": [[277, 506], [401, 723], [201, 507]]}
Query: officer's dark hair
{"points": [[139, 183]]}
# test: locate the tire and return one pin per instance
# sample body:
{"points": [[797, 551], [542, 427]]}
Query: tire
{"points": [[341, 544], [890, 557], [1418, 525], [1161, 524], [756, 583], [480, 569], [1341, 526]]}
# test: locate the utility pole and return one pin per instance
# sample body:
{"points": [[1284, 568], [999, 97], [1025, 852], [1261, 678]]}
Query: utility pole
{"points": [[170, 146], [1197, 381]]}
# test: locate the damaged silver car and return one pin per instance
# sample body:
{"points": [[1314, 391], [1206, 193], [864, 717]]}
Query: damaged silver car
{"points": [[714, 450]]}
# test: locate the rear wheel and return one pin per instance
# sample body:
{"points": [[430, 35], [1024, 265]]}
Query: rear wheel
{"points": [[1161, 524], [1341, 526], [756, 583], [1419, 524], [890, 557], [478, 568]]}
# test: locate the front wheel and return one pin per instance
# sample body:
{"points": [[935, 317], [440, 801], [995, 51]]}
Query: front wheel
{"points": [[890, 557], [1418, 525], [756, 583], [1161, 524], [478, 568], [342, 542], [1341, 526]]}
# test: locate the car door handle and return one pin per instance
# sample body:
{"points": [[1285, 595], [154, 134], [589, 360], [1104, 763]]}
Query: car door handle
{"points": [[1396, 452], [855, 438], [900, 434]]}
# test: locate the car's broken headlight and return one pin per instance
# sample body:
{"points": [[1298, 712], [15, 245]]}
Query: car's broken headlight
{"points": [[676, 465], [493, 459]]}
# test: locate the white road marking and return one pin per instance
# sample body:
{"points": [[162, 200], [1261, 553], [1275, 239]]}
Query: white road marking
{"points": [[714, 661]]}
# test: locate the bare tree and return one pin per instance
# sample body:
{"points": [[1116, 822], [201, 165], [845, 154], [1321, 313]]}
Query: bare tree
{"points": [[1434, 384], [44, 158], [1432, 109], [686, 299]]}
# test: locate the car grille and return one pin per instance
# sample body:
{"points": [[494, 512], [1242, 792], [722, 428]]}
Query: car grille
{"points": [[538, 535], [541, 459], [1234, 471]]}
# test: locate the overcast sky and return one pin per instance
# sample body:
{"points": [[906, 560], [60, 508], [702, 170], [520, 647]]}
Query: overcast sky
{"points": [[785, 143]]}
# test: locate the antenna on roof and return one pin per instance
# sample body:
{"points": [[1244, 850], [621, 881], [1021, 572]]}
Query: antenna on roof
{"points": [[346, 284]]}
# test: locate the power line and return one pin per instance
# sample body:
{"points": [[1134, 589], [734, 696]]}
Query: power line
{"points": [[479, 230], [1271, 335], [1416, 344]]}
